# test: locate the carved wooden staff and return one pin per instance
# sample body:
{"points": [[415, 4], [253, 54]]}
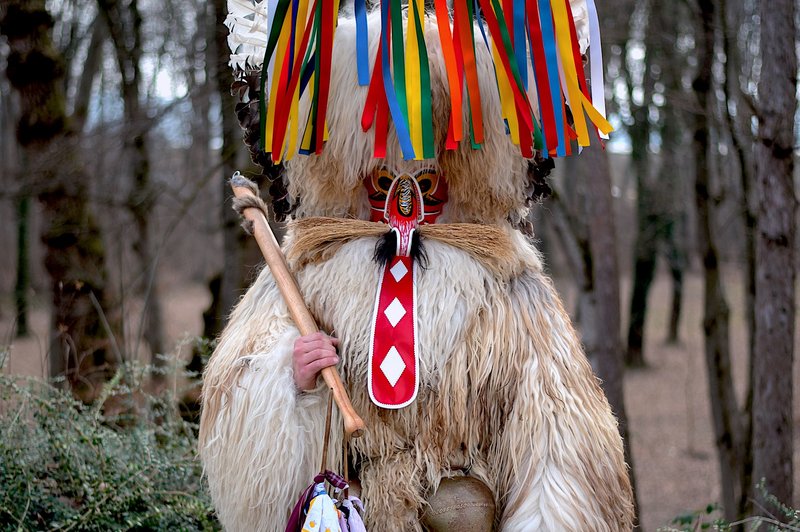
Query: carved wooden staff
{"points": [[252, 208]]}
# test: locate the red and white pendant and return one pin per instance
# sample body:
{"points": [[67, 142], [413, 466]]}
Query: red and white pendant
{"points": [[393, 373], [393, 362]]}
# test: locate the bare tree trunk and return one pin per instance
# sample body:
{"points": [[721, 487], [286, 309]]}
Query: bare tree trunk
{"points": [[739, 126], [671, 181], [644, 251], [74, 256], [673, 329], [644, 269], [124, 23], [572, 246], [775, 256], [12, 164], [200, 157], [23, 282], [725, 411], [659, 207], [91, 65], [602, 322], [671, 227]]}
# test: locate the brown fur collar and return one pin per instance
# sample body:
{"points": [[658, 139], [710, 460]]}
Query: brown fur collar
{"points": [[316, 239]]}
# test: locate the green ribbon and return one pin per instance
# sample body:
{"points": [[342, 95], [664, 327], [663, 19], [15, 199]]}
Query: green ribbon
{"points": [[470, 17], [428, 149], [398, 56]]}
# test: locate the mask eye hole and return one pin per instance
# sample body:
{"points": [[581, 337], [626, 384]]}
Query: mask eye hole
{"points": [[384, 182], [425, 184]]}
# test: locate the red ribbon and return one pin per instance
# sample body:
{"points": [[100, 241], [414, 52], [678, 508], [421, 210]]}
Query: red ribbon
{"points": [[376, 108], [326, 29], [371, 104], [454, 74], [467, 50]]}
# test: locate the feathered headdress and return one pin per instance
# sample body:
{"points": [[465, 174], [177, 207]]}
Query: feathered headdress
{"points": [[537, 49]]}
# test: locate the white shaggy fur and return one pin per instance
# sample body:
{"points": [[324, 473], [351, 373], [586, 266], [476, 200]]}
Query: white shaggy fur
{"points": [[506, 393]]}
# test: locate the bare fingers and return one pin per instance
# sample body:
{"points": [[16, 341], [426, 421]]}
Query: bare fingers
{"points": [[311, 355]]}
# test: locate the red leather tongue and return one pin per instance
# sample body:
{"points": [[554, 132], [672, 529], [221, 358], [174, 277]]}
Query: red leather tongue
{"points": [[393, 365]]}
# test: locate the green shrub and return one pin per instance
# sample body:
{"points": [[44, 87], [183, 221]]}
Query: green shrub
{"points": [[69, 466], [709, 518]]}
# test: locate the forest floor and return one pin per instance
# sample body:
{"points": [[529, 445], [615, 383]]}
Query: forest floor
{"points": [[667, 402]]}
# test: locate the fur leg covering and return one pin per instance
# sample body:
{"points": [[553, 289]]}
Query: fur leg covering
{"points": [[393, 485], [261, 440], [559, 458], [506, 395]]}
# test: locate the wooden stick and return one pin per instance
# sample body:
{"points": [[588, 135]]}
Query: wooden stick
{"points": [[353, 424]]}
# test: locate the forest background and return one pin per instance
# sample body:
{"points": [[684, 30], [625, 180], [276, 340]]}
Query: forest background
{"points": [[674, 248]]}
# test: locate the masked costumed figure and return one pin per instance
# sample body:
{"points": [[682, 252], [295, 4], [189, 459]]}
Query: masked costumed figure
{"points": [[423, 137]]}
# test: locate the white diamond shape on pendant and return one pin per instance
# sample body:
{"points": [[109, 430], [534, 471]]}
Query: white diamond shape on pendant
{"points": [[393, 366], [395, 312], [399, 271]]}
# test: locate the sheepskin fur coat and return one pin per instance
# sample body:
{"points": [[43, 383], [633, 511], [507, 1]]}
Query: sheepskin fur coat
{"points": [[506, 393]]}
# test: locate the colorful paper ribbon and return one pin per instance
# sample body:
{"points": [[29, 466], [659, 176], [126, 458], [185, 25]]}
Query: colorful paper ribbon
{"points": [[539, 33]]}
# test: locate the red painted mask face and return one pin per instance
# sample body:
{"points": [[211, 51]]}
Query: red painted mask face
{"points": [[430, 186]]}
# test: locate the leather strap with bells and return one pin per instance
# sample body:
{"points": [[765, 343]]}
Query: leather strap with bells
{"points": [[393, 372]]}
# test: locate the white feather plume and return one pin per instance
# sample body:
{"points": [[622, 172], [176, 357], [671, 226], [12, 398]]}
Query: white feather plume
{"points": [[247, 22], [580, 13]]}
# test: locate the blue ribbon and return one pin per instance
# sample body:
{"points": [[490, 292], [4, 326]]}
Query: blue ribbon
{"points": [[550, 52], [308, 71], [362, 42], [295, 6], [519, 41], [479, 18], [399, 120]]}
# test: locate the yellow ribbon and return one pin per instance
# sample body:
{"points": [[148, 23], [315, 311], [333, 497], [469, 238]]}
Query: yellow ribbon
{"points": [[413, 81], [507, 104]]}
